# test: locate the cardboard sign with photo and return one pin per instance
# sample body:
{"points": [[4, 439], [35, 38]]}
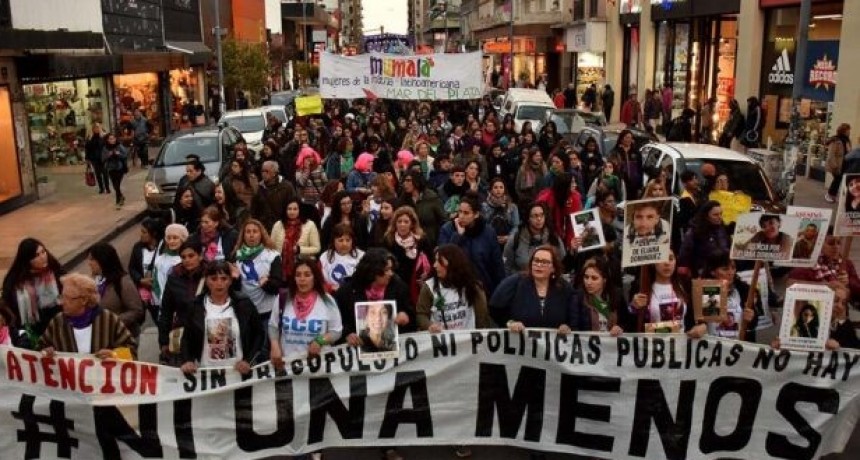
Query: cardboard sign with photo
{"points": [[806, 317], [848, 211], [588, 230], [374, 322], [810, 237], [709, 300], [765, 237], [647, 232]]}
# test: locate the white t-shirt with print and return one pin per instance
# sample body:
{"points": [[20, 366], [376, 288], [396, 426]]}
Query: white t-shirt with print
{"points": [[296, 334], [665, 306], [339, 267], [456, 314], [222, 344]]}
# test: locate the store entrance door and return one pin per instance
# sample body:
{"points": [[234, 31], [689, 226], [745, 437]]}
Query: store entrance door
{"points": [[10, 174]]}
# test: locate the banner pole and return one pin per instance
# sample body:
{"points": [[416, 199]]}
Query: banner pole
{"points": [[645, 282], [750, 300]]}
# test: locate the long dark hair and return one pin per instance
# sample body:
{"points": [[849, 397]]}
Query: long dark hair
{"points": [[675, 280], [338, 231], [20, 269], [525, 231], [316, 271], [303, 218], [370, 266], [561, 190], [700, 224], [461, 273], [108, 259]]}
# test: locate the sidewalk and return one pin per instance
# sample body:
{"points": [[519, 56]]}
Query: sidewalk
{"points": [[73, 218]]}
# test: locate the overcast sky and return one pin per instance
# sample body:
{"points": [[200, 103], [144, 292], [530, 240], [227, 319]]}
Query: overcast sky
{"points": [[392, 14]]}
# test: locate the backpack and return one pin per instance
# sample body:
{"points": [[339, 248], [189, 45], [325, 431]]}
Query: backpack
{"points": [[499, 220]]}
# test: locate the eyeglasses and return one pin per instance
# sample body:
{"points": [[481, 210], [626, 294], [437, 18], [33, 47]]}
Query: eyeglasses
{"points": [[541, 262]]}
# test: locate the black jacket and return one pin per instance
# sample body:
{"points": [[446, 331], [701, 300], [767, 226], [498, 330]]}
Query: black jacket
{"points": [[137, 265], [180, 290], [349, 294], [251, 331], [94, 147]]}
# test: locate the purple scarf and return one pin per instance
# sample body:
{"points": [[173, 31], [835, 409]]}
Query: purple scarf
{"points": [[83, 321]]}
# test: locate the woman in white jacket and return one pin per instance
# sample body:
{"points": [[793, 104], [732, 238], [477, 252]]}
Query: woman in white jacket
{"points": [[295, 235], [174, 236]]}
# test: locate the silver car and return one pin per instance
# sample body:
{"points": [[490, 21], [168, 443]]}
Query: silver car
{"points": [[212, 144]]}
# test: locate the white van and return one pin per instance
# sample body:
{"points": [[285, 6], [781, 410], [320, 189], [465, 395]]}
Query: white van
{"points": [[527, 105]]}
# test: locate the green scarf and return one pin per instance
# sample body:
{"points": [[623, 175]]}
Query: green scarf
{"points": [[600, 305], [246, 253]]}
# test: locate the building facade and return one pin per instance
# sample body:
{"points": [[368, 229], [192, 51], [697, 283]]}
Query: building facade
{"points": [[352, 25]]}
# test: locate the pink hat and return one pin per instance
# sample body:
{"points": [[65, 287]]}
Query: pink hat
{"points": [[364, 163], [404, 157], [307, 152]]}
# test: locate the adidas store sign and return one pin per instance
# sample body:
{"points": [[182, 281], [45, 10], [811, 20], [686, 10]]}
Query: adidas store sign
{"points": [[780, 73]]}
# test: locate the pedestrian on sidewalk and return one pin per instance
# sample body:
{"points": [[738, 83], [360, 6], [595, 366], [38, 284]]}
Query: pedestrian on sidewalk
{"points": [[94, 147], [115, 159], [837, 147], [140, 128]]}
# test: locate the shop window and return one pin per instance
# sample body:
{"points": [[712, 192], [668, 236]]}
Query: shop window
{"points": [[10, 175], [594, 9], [61, 116], [578, 10], [138, 92]]}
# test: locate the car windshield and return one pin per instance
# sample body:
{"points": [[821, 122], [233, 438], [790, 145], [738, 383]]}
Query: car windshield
{"points": [[246, 123], [174, 152], [567, 122], [593, 118], [745, 177], [531, 112]]}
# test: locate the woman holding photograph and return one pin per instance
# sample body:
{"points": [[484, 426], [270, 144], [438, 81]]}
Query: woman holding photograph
{"points": [[665, 303], [378, 335], [721, 267]]}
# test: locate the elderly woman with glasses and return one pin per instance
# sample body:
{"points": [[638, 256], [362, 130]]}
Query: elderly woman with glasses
{"points": [[83, 326], [539, 297], [831, 268]]}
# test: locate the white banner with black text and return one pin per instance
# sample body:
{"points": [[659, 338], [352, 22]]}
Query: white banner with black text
{"points": [[629, 397]]}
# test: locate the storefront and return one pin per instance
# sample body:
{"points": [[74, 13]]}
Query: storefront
{"points": [[819, 79], [629, 12], [529, 58], [187, 88], [696, 53], [61, 115], [588, 43]]}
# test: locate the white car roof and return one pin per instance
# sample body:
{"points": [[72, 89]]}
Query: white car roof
{"points": [[703, 152], [244, 113]]}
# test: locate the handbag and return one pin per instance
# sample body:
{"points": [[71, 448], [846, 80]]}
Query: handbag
{"points": [[90, 176]]}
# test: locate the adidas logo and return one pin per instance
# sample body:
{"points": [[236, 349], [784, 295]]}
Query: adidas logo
{"points": [[781, 73]]}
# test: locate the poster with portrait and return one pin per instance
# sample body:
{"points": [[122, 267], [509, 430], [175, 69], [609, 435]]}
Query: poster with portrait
{"points": [[762, 308], [764, 236], [806, 317], [588, 230], [377, 330], [647, 232], [810, 236], [848, 211], [709, 300]]}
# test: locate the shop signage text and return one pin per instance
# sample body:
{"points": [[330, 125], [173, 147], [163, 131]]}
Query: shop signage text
{"points": [[780, 73], [823, 73]]}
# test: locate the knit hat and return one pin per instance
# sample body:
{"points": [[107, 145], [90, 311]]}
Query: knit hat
{"points": [[307, 152], [178, 230], [364, 163]]}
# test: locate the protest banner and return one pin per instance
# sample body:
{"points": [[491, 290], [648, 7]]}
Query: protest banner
{"points": [[806, 316], [647, 232], [377, 330], [810, 237], [438, 77], [733, 204], [709, 300], [309, 105], [629, 397], [588, 230], [764, 237], [848, 211]]}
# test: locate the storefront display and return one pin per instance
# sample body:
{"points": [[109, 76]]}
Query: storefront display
{"points": [[138, 92], [589, 71], [186, 89], [10, 174], [61, 115]]}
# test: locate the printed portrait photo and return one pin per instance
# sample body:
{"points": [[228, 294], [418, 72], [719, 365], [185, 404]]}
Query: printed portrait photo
{"points": [[377, 330]]}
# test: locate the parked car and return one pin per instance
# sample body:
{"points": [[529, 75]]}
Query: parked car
{"points": [[213, 144], [607, 138], [526, 105], [251, 123]]}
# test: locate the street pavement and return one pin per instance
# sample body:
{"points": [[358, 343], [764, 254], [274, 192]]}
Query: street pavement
{"points": [[70, 221]]}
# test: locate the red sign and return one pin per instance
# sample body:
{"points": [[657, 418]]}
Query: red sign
{"points": [[823, 73]]}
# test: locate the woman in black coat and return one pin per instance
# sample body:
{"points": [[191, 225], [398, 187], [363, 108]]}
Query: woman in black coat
{"points": [[142, 261], [374, 279], [184, 284], [93, 148]]}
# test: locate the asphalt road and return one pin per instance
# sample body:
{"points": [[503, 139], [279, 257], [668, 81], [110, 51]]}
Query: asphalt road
{"points": [[148, 351]]}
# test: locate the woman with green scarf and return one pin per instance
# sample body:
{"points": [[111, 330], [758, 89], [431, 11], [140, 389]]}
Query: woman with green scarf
{"points": [[258, 267], [598, 297]]}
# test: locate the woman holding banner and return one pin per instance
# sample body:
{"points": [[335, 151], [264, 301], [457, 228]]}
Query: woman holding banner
{"points": [[602, 298], [663, 305]]}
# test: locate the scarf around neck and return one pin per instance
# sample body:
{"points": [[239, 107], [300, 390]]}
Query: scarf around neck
{"points": [[247, 253], [38, 292], [408, 243], [497, 202], [303, 304], [84, 320]]}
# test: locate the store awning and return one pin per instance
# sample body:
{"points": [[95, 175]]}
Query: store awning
{"points": [[39, 67], [18, 39], [197, 53]]}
